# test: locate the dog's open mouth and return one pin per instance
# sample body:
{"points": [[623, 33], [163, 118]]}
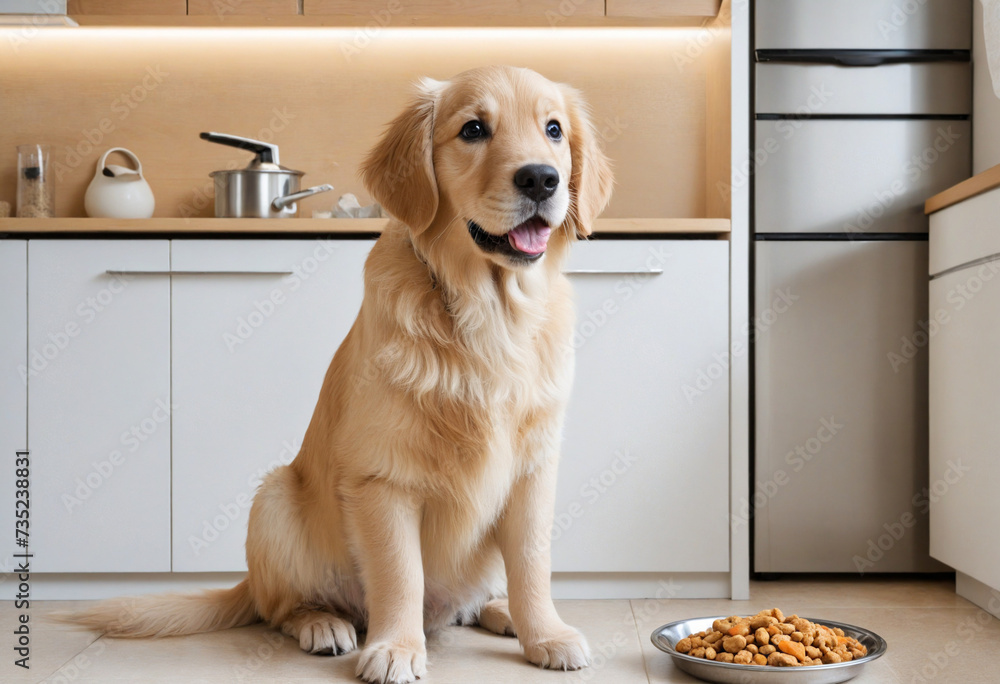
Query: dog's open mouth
{"points": [[525, 242]]}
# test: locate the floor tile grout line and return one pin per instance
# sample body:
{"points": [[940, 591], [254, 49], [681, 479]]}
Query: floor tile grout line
{"points": [[72, 657], [638, 638]]}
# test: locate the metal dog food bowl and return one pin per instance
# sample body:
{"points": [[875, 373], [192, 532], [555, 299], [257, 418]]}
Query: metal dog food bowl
{"points": [[666, 637]]}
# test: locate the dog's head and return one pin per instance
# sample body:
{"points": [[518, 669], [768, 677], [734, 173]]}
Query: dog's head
{"points": [[499, 163]]}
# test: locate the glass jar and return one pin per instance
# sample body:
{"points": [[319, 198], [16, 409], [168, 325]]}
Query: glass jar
{"points": [[35, 185]]}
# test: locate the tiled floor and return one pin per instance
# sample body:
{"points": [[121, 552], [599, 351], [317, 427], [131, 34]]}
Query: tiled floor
{"points": [[933, 636]]}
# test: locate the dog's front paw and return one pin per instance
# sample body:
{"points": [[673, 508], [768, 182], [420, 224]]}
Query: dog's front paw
{"points": [[565, 650], [391, 663]]}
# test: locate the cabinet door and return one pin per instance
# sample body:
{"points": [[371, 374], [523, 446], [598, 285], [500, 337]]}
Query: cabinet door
{"points": [[964, 430], [841, 407], [882, 171], [99, 405], [13, 375], [644, 473], [250, 350], [864, 24]]}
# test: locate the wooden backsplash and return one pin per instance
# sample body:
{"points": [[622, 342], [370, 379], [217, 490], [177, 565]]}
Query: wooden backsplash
{"points": [[324, 95]]}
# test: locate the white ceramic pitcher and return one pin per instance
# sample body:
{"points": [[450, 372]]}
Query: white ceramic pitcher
{"points": [[118, 191]]}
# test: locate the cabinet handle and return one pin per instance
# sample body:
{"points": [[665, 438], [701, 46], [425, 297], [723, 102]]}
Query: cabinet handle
{"points": [[598, 271], [172, 273]]}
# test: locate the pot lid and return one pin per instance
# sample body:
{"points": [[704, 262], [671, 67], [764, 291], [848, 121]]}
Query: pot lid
{"points": [[265, 154]]}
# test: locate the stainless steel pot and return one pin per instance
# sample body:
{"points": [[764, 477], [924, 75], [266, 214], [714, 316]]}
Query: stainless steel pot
{"points": [[264, 189]]}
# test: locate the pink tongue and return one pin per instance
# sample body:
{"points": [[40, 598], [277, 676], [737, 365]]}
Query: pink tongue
{"points": [[531, 237]]}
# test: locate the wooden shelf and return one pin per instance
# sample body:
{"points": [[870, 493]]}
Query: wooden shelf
{"points": [[401, 21], [978, 184], [195, 226]]}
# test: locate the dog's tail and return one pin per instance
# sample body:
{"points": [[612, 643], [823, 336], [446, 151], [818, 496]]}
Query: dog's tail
{"points": [[169, 614]]}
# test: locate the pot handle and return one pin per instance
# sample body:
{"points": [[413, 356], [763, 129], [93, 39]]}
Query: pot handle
{"points": [[281, 202], [127, 153], [266, 152]]}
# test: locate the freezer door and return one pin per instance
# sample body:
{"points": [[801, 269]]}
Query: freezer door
{"points": [[929, 88], [864, 24], [855, 176], [841, 407]]}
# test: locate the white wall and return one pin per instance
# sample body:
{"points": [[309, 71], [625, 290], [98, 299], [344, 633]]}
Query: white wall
{"points": [[986, 105]]}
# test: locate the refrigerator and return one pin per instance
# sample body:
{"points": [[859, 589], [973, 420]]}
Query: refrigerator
{"points": [[861, 113]]}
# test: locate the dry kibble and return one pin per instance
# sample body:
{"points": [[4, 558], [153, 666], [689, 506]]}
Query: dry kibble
{"points": [[782, 660], [721, 626], [734, 644], [759, 621], [801, 624], [740, 629], [769, 638]]}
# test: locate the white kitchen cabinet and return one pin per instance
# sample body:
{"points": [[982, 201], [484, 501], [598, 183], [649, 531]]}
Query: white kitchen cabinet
{"points": [[644, 473], [250, 350], [13, 381], [841, 407], [965, 389], [98, 405]]}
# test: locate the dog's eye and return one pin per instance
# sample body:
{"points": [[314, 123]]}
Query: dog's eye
{"points": [[473, 130], [553, 130]]}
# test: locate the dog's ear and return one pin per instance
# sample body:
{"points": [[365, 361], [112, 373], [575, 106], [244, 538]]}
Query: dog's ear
{"points": [[399, 171], [592, 180]]}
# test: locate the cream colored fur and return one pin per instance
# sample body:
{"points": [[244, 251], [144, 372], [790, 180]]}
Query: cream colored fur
{"points": [[424, 489]]}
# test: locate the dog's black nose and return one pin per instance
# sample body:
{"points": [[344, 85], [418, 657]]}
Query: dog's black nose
{"points": [[537, 181]]}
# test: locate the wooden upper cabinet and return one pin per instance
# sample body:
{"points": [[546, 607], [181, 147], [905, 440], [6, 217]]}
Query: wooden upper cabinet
{"points": [[660, 9], [133, 7], [259, 8], [504, 8]]}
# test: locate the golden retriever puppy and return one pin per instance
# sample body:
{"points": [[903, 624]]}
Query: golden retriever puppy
{"points": [[424, 490]]}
